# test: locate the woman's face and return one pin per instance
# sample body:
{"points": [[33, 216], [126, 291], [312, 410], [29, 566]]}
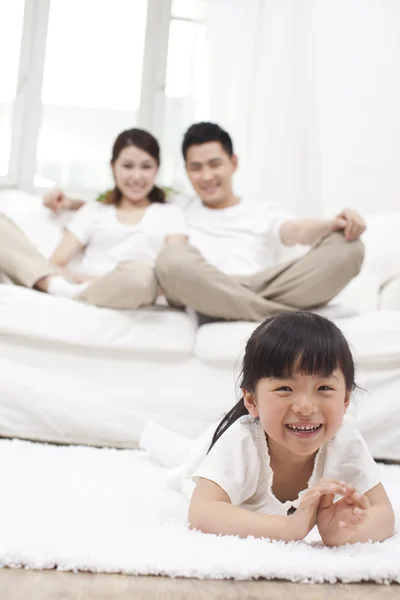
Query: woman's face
{"points": [[134, 173]]}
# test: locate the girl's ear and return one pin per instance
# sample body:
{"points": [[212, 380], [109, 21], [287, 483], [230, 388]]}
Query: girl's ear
{"points": [[347, 399], [249, 400]]}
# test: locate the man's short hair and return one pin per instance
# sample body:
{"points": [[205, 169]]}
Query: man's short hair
{"points": [[204, 132]]}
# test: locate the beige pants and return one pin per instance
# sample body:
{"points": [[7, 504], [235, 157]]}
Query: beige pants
{"points": [[311, 281], [130, 285]]}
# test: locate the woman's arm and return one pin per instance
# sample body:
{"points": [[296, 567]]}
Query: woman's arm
{"points": [[67, 249]]}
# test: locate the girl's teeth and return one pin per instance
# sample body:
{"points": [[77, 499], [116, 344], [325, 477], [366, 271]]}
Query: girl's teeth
{"points": [[304, 427]]}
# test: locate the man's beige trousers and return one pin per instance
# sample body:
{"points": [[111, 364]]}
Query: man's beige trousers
{"points": [[305, 283]]}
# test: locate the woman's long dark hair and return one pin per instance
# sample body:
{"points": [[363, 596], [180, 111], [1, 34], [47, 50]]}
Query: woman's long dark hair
{"points": [[300, 341], [144, 141]]}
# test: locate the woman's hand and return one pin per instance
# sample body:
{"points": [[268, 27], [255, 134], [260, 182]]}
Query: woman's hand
{"points": [[77, 277], [337, 522], [305, 517]]}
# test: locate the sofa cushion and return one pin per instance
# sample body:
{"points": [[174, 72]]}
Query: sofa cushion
{"points": [[374, 339], [390, 294], [30, 314], [43, 228], [382, 243]]}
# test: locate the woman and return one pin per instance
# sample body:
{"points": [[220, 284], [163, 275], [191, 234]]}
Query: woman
{"points": [[120, 237]]}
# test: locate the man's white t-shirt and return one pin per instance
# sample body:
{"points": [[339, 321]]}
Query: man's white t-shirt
{"points": [[108, 242], [239, 463], [240, 240]]}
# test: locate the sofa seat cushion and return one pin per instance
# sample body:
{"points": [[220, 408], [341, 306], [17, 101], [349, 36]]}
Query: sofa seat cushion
{"points": [[374, 338], [154, 330]]}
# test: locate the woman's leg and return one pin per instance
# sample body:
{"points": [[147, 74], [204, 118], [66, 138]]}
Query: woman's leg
{"points": [[20, 259], [131, 285]]}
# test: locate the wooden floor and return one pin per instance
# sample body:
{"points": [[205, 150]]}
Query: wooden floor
{"points": [[17, 584]]}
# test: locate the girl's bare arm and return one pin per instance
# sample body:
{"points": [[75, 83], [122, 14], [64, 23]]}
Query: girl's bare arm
{"points": [[211, 511]]}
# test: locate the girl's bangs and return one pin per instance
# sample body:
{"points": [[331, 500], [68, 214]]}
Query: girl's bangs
{"points": [[307, 346]]}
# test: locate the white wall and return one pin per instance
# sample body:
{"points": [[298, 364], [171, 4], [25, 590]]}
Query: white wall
{"points": [[358, 58], [310, 90]]}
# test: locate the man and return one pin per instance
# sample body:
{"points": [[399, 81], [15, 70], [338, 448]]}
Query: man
{"points": [[229, 270]]}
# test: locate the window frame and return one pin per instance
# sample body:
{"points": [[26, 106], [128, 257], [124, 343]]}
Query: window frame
{"points": [[28, 105]]}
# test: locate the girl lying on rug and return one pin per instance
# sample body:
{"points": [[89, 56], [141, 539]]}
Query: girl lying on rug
{"points": [[283, 459]]}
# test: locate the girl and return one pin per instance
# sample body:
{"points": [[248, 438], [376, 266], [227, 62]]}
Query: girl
{"points": [[281, 457], [119, 238]]}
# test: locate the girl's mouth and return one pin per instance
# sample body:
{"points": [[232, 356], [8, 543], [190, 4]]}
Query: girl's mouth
{"points": [[305, 431]]}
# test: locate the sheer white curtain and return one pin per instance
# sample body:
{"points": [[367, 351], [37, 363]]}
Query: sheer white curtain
{"points": [[310, 91]]}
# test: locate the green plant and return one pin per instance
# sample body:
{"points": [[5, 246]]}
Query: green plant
{"points": [[169, 191]]}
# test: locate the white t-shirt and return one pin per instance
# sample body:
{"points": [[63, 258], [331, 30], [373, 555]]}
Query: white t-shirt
{"points": [[239, 463], [108, 242], [240, 240]]}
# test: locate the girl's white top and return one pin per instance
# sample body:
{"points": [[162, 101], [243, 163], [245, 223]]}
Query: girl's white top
{"points": [[239, 463]]}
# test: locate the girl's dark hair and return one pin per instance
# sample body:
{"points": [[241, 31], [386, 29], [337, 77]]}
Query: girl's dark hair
{"points": [[300, 342], [204, 132], [144, 141]]}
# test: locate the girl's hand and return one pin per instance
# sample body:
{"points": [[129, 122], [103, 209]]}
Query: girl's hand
{"points": [[305, 517], [337, 522]]}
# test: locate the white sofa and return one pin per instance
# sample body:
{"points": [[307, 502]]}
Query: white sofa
{"points": [[72, 373]]}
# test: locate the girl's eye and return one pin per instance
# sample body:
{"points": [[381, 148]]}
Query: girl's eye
{"points": [[284, 388], [325, 388]]}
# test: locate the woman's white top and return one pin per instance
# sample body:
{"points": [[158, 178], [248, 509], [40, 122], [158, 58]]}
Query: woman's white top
{"points": [[108, 242], [239, 463]]}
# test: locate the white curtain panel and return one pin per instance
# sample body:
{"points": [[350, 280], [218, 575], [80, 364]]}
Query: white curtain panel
{"points": [[310, 91]]}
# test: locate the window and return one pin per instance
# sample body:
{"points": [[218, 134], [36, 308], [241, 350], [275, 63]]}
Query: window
{"points": [[91, 89], [186, 89], [75, 73], [11, 24]]}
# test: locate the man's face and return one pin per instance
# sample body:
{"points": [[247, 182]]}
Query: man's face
{"points": [[210, 171]]}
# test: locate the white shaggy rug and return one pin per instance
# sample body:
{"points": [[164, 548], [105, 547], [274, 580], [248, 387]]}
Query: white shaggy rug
{"points": [[103, 510]]}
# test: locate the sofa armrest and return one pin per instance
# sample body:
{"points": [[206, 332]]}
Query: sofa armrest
{"points": [[389, 297]]}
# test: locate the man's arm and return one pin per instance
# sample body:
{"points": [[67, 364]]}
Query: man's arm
{"points": [[309, 231], [304, 231], [57, 201]]}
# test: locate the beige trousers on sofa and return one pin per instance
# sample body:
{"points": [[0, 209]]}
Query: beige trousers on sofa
{"points": [[130, 285], [305, 283]]}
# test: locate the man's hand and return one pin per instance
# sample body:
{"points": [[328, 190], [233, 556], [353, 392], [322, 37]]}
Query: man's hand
{"points": [[337, 522], [57, 201], [350, 222]]}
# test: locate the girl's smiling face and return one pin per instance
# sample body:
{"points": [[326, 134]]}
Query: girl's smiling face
{"points": [[300, 412]]}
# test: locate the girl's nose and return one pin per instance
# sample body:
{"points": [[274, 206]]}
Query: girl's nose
{"points": [[304, 405]]}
